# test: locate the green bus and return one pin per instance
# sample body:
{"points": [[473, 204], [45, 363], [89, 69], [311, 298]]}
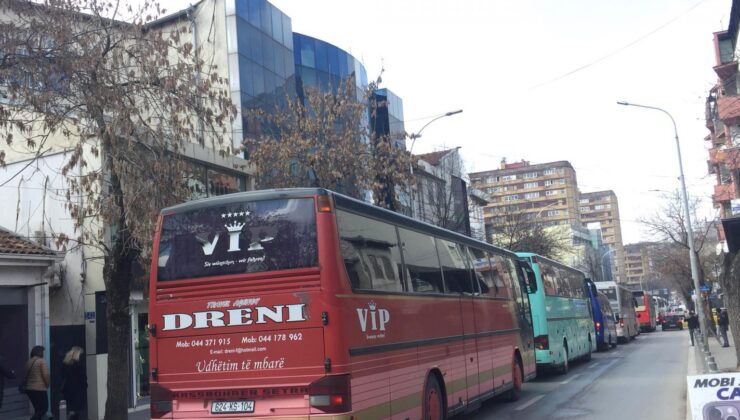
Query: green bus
{"points": [[561, 313]]}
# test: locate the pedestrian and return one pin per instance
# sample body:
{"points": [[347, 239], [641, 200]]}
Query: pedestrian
{"points": [[693, 322], [5, 372], [74, 383], [37, 382], [724, 325]]}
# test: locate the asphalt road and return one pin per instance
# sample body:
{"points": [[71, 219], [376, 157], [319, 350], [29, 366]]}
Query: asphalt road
{"points": [[644, 379]]}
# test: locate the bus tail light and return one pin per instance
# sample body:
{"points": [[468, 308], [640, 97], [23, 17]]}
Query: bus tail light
{"points": [[541, 342], [598, 326], [323, 204], [330, 394]]}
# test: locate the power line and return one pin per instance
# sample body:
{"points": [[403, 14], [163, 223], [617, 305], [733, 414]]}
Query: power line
{"points": [[615, 52]]}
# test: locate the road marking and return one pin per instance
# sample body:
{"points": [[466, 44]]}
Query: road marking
{"points": [[570, 379], [593, 365], [530, 402]]}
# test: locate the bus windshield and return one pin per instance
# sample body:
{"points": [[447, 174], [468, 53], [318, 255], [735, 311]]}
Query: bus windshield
{"points": [[246, 237]]}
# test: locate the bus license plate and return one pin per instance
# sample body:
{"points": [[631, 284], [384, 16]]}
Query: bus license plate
{"points": [[232, 407]]}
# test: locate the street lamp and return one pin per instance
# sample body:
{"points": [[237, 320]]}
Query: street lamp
{"points": [[689, 231], [413, 137]]}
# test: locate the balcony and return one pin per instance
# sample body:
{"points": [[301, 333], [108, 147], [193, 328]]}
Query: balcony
{"points": [[728, 108], [724, 192], [716, 155], [726, 70], [731, 157]]}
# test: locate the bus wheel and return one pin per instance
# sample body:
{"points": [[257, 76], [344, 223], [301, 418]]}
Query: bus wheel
{"points": [[564, 354], [517, 378], [433, 400]]}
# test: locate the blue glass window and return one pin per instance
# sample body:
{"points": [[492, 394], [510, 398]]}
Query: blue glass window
{"points": [[297, 50], [309, 77], [307, 53], [279, 60], [258, 79], [266, 17], [269, 82], [322, 59], [287, 32], [254, 11], [245, 76], [277, 25], [268, 53], [289, 63], [255, 45], [333, 60], [343, 65]]}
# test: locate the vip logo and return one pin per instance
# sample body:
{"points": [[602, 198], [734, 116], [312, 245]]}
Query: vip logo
{"points": [[234, 228], [378, 317]]}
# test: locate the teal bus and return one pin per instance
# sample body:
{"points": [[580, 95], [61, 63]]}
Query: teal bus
{"points": [[561, 313]]}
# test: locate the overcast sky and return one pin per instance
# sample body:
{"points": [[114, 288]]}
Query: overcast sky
{"points": [[539, 80]]}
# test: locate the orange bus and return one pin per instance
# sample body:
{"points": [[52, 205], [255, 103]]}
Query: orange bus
{"points": [[304, 303]]}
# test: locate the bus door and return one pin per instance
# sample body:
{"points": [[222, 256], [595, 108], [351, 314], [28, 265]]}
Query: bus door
{"points": [[455, 268], [527, 284], [487, 312]]}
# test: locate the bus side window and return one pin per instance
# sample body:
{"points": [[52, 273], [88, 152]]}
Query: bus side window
{"points": [[483, 271], [422, 263], [454, 267], [369, 250]]}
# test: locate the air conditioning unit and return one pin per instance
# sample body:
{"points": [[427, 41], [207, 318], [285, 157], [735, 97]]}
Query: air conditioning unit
{"points": [[54, 275]]}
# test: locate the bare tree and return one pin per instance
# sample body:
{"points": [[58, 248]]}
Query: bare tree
{"points": [[668, 225], [323, 140], [518, 230], [123, 98]]}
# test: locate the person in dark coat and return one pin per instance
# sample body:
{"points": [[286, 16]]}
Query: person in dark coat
{"points": [[693, 322], [5, 372], [74, 383], [724, 325]]}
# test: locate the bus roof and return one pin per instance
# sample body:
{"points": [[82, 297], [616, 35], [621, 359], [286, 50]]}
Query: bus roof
{"points": [[340, 200], [553, 262]]}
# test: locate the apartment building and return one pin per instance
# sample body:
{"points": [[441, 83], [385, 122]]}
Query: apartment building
{"points": [[544, 193], [637, 265], [723, 122], [601, 208]]}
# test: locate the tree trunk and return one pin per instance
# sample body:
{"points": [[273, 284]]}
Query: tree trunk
{"points": [[117, 275], [730, 280]]}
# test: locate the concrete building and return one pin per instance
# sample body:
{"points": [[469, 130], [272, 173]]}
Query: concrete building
{"points": [[723, 122], [545, 193], [439, 191], [601, 209], [251, 44], [29, 273]]}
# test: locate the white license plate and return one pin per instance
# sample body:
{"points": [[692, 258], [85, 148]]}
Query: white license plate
{"points": [[219, 407]]}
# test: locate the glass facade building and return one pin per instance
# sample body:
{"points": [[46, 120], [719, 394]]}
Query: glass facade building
{"points": [[324, 66]]}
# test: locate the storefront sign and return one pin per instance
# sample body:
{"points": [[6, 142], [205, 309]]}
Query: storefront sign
{"points": [[715, 396]]}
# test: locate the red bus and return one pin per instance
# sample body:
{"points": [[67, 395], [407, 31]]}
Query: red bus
{"points": [[304, 303], [645, 310]]}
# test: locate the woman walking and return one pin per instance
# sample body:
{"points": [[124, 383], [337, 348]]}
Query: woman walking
{"points": [[74, 383], [37, 382]]}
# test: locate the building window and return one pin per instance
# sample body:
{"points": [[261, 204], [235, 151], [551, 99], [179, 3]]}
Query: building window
{"points": [[511, 188], [553, 192], [551, 213], [583, 201], [585, 208], [548, 171], [512, 197], [530, 175], [532, 194], [530, 185], [508, 177]]}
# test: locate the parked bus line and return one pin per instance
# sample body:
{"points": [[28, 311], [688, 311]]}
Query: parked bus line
{"points": [[303, 302]]}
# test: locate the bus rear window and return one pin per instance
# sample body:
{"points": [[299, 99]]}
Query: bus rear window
{"points": [[247, 237]]}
